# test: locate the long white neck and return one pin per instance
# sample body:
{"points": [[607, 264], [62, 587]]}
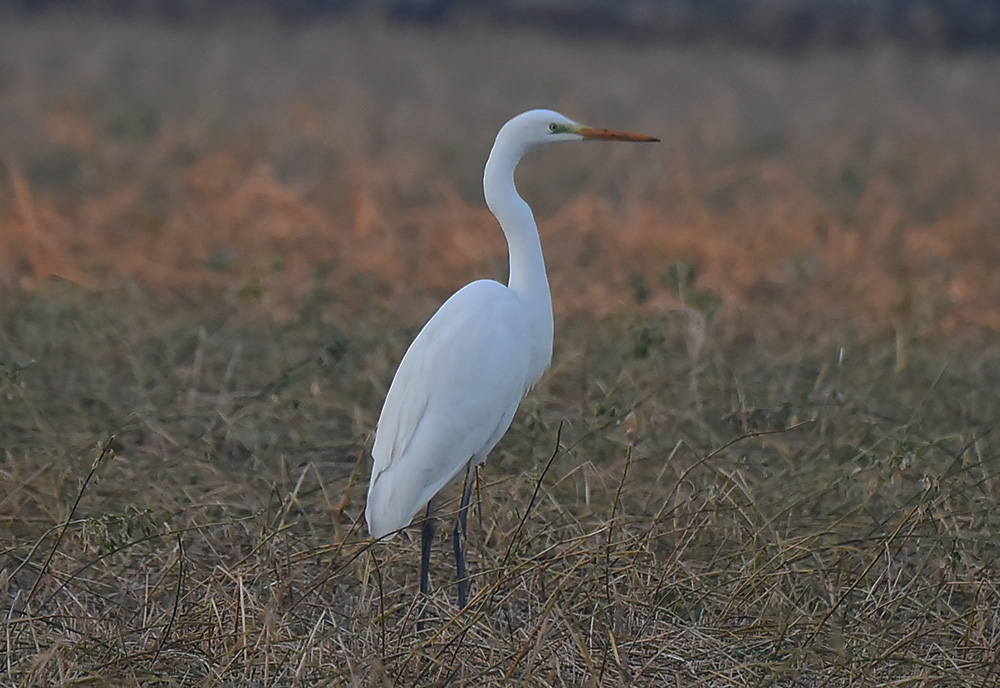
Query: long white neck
{"points": [[528, 280]]}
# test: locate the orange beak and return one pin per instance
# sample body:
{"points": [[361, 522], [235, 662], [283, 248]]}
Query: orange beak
{"points": [[592, 134]]}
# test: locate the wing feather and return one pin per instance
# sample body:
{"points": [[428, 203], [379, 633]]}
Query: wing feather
{"points": [[452, 399]]}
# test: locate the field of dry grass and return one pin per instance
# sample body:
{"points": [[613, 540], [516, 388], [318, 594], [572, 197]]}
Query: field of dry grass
{"points": [[765, 454]]}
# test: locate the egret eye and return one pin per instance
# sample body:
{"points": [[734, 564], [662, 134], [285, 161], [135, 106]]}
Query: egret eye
{"points": [[554, 127]]}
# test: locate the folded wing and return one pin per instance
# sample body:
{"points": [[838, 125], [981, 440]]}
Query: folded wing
{"points": [[452, 399]]}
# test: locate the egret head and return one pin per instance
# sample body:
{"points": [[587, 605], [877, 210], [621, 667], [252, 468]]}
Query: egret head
{"points": [[536, 128]]}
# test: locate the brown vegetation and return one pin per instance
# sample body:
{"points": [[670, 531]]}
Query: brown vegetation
{"points": [[183, 160], [773, 393]]}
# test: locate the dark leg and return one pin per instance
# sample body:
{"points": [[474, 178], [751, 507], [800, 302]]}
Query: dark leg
{"points": [[461, 527], [426, 538]]}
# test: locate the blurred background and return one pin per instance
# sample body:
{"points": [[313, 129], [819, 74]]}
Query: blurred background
{"points": [[831, 157], [957, 24]]}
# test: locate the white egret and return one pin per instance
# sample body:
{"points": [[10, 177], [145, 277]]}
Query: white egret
{"points": [[461, 380]]}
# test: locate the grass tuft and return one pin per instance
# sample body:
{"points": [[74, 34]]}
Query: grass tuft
{"points": [[824, 519]]}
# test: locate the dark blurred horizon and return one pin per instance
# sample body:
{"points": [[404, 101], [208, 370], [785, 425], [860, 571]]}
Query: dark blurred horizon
{"points": [[771, 24]]}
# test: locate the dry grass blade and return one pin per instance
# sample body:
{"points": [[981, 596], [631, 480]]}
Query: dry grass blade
{"points": [[105, 451], [177, 600], [534, 497]]}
